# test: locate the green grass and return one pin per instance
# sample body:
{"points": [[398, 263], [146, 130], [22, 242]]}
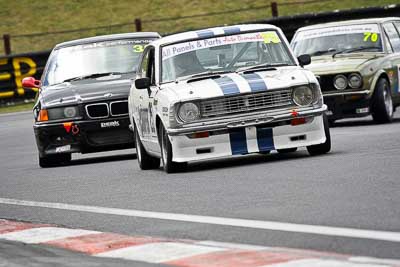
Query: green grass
{"points": [[35, 16], [16, 108]]}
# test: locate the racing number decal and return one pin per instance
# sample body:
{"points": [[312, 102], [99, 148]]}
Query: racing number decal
{"points": [[270, 37], [373, 36], [139, 48]]}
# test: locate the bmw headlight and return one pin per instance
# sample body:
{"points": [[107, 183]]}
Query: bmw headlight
{"points": [[63, 113], [188, 112], [303, 96], [355, 80], [340, 82]]}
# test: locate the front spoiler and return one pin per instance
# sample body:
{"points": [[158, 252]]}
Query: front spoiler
{"points": [[252, 119]]}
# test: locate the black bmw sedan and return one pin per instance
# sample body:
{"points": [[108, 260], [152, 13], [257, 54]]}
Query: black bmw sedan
{"points": [[82, 102]]}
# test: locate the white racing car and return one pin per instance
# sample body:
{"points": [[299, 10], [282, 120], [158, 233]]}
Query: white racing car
{"points": [[224, 91]]}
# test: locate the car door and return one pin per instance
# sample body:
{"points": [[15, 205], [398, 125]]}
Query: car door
{"points": [[148, 102], [141, 100], [393, 37]]}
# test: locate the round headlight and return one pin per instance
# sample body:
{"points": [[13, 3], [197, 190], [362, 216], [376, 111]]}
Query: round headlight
{"points": [[70, 112], [188, 112], [303, 96], [355, 80], [340, 82]]}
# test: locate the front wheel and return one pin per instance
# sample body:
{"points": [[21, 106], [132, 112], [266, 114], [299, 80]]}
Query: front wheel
{"points": [[54, 160], [382, 104], [146, 162], [166, 154], [324, 147]]}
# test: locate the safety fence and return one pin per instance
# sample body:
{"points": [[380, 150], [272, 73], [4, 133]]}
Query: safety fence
{"points": [[18, 43], [14, 68]]}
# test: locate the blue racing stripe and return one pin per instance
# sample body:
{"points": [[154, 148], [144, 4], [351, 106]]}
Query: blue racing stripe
{"points": [[255, 81], [231, 30], [238, 141], [227, 85], [205, 33], [265, 139]]}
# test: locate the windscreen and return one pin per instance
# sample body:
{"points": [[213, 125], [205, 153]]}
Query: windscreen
{"points": [[225, 53], [343, 39], [119, 56]]}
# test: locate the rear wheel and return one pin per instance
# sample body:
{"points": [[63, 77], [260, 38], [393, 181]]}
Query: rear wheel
{"points": [[54, 160], [287, 150], [166, 154], [324, 147], [382, 103], [146, 162]]}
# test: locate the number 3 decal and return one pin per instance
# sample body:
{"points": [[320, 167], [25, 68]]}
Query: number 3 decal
{"points": [[138, 48], [373, 36]]}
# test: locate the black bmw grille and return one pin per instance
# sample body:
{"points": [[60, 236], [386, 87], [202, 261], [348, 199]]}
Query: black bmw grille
{"points": [[119, 108], [95, 111]]}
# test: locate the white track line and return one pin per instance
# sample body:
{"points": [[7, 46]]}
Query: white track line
{"points": [[322, 263], [44, 234], [255, 224], [159, 252]]}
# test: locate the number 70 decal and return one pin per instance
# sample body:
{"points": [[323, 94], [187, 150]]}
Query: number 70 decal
{"points": [[373, 36]]}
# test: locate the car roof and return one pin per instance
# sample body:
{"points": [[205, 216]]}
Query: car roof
{"points": [[348, 22], [210, 32], [101, 38]]}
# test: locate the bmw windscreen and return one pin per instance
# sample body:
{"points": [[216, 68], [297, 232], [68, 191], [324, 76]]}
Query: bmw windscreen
{"points": [[337, 40], [80, 61], [224, 54]]}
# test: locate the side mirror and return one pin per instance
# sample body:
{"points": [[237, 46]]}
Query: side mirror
{"points": [[304, 60], [142, 83], [30, 82]]}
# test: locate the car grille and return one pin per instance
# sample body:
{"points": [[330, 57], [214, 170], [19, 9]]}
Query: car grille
{"points": [[105, 110], [119, 108], [97, 111], [326, 83], [246, 103], [111, 137]]}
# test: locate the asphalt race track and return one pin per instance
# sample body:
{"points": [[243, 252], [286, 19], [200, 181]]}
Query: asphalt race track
{"points": [[356, 187]]}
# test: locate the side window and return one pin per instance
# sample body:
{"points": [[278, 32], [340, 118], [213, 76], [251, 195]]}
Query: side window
{"points": [[393, 36], [144, 64]]}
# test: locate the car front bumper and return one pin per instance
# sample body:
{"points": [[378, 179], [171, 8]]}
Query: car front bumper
{"points": [[347, 104], [83, 136], [252, 136]]}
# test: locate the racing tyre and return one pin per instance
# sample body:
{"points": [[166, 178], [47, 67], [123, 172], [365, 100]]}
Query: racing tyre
{"points": [[287, 150], [54, 160], [324, 147], [382, 104], [146, 162], [166, 154]]}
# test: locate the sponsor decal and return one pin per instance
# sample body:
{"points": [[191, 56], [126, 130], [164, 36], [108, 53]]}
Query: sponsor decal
{"points": [[255, 82], [109, 124], [237, 138], [370, 31], [227, 85], [185, 47], [265, 139], [61, 149]]}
